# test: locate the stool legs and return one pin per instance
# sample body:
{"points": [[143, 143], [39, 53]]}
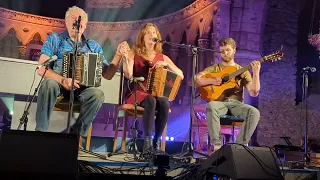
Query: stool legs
{"points": [[88, 139], [116, 135], [124, 136], [163, 141], [224, 141], [209, 145], [233, 134], [123, 140], [80, 141]]}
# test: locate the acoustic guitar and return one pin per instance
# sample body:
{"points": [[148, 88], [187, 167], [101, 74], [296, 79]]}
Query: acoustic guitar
{"points": [[229, 75]]}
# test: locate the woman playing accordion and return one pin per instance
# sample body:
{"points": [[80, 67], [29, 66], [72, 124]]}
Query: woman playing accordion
{"points": [[144, 55]]}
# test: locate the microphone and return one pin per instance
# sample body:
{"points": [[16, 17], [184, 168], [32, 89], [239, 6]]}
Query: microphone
{"points": [[157, 40], [312, 69], [79, 20], [136, 79], [47, 62], [76, 24]]}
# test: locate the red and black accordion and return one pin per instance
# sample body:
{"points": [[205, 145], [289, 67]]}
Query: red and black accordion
{"points": [[162, 82]]}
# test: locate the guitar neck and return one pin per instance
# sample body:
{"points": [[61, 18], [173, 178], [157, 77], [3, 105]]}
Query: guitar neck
{"points": [[243, 69]]}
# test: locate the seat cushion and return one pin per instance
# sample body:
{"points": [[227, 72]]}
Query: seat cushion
{"points": [[62, 104], [231, 120], [65, 107], [130, 108]]}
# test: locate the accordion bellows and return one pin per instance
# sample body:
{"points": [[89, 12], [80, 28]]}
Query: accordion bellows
{"points": [[162, 82], [88, 70]]}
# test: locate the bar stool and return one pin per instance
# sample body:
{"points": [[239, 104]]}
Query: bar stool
{"points": [[228, 121]]}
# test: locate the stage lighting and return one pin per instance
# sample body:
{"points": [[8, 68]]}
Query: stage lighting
{"points": [[6, 119]]}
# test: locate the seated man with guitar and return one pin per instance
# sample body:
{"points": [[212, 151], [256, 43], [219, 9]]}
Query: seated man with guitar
{"points": [[221, 85], [91, 98]]}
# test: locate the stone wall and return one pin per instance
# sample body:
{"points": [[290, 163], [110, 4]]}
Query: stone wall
{"points": [[279, 114], [247, 23]]}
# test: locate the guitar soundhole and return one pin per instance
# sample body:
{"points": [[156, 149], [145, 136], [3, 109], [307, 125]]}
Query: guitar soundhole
{"points": [[225, 79]]}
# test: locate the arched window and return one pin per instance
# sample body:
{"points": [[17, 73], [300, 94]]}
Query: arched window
{"points": [[9, 45]]}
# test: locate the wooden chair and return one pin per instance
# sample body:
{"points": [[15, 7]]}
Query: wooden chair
{"points": [[129, 112], [126, 111], [228, 121], [63, 105]]}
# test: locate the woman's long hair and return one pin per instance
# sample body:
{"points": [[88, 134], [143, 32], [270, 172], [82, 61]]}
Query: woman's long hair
{"points": [[139, 47]]}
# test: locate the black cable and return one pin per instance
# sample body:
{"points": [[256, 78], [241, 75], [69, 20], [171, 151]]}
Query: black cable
{"points": [[129, 159], [104, 157], [270, 148], [194, 167], [281, 165], [102, 169], [89, 167], [260, 161], [255, 156], [151, 170], [82, 167], [299, 176]]}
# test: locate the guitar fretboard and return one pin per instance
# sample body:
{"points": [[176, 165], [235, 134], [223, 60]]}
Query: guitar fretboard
{"points": [[243, 69]]}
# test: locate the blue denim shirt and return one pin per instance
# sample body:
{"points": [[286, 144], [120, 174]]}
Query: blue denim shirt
{"points": [[60, 43]]}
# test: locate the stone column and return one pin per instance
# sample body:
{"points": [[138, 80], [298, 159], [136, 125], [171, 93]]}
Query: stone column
{"points": [[223, 19], [174, 53], [22, 51], [221, 26], [216, 58], [247, 24], [187, 76], [203, 58]]}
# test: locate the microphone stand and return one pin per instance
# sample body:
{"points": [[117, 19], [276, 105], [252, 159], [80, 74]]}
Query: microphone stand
{"points": [[24, 118], [187, 149], [306, 156], [73, 65], [132, 146]]}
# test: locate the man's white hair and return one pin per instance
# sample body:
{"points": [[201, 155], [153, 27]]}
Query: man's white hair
{"points": [[76, 8]]}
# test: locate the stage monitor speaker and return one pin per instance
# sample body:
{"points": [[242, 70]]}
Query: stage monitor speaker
{"points": [[32, 152], [239, 162]]}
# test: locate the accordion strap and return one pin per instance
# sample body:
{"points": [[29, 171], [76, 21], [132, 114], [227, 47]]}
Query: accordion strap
{"points": [[142, 87]]}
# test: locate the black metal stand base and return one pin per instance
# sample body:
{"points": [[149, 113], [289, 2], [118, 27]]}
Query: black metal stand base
{"points": [[187, 150], [307, 158], [24, 118]]}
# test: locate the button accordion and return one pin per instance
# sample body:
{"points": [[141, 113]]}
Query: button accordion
{"points": [[162, 82], [88, 70]]}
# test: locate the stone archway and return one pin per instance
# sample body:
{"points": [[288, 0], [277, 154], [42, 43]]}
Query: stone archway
{"points": [[36, 39], [10, 45]]}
